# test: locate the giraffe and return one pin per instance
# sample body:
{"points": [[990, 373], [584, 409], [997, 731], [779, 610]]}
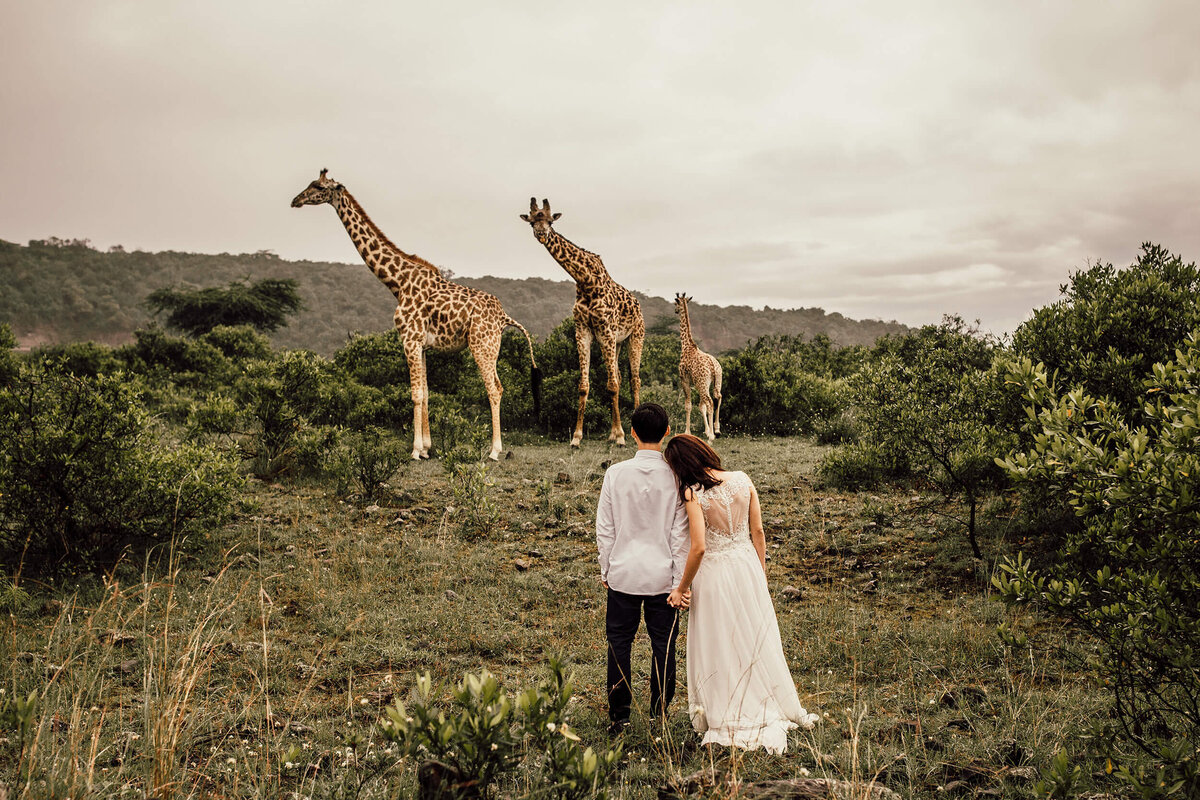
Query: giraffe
{"points": [[698, 368], [431, 312], [604, 310]]}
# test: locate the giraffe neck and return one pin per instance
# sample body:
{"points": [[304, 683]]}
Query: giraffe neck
{"points": [[585, 267], [390, 264], [686, 341]]}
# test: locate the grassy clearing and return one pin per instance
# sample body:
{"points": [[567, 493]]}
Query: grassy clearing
{"points": [[256, 663]]}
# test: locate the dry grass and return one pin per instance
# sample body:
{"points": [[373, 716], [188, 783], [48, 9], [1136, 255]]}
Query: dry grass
{"points": [[256, 663]]}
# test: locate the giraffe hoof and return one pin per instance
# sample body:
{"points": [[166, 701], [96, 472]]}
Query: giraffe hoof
{"points": [[494, 456], [575, 443], [416, 456]]}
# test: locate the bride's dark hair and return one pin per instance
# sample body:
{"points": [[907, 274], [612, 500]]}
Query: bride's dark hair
{"points": [[692, 461]]}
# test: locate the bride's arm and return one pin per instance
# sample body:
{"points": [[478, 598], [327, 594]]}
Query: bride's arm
{"points": [[695, 516], [757, 535]]}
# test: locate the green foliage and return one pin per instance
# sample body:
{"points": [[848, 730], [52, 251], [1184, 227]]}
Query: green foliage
{"points": [[165, 359], [1059, 780], [8, 359], [239, 342], [264, 306], [928, 407], [487, 735], [1129, 576], [372, 459], [1112, 325], [768, 389], [472, 485], [83, 359], [83, 468]]}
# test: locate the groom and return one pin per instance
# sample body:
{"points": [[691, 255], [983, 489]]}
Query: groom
{"points": [[642, 535]]}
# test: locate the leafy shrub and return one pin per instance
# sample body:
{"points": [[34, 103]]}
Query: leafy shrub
{"points": [[8, 359], [372, 459], [487, 735], [928, 407], [1112, 325], [767, 390], [859, 465], [239, 342], [558, 358], [166, 359], [82, 468], [84, 359], [472, 484], [1129, 576]]}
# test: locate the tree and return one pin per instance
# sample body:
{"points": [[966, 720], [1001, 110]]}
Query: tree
{"points": [[1112, 325], [927, 404], [1129, 576], [264, 305]]}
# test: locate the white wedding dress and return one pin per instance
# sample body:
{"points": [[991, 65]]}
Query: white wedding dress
{"points": [[740, 691]]}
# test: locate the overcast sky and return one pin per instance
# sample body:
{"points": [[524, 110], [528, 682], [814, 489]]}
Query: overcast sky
{"points": [[879, 159]]}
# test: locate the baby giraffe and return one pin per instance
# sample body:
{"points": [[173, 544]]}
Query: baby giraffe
{"points": [[698, 368]]}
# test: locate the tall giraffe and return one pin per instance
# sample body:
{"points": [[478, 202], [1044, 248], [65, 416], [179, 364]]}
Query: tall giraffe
{"points": [[698, 368], [604, 310], [430, 310]]}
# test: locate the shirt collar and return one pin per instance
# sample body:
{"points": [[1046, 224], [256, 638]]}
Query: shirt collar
{"points": [[655, 454]]}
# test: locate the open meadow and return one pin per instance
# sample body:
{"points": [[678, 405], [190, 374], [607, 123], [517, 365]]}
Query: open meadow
{"points": [[257, 661]]}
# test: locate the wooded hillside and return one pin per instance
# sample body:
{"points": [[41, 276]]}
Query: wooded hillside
{"points": [[63, 290]]}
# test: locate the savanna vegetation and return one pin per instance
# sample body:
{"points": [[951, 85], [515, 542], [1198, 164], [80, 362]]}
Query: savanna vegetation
{"points": [[224, 577]]}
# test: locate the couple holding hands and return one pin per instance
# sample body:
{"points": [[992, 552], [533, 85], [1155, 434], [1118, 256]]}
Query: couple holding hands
{"points": [[676, 531]]}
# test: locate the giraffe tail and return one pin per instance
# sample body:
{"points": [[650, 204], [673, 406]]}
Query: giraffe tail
{"points": [[535, 374]]}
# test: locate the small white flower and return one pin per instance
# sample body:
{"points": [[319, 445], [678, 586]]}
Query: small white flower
{"points": [[495, 746], [364, 701], [550, 726], [231, 760], [804, 772], [289, 765]]}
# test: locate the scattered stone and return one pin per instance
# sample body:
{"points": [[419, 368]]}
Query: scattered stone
{"points": [[792, 593], [508, 455], [1021, 774], [526, 482], [778, 522], [371, 509], [522, 506], [451, 595], [534, 553], [954, 787], [299, 728], [870, 587], [529, 527], [521, 564], [129, 666], [605, 464], [551, 522], [960, 724], [562, 477]]}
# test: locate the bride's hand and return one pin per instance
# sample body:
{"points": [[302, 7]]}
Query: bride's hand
{"points": [[679, 599]]}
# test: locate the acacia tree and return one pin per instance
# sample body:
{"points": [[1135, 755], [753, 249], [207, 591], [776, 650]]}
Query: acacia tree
{"points": [[264, 305]]}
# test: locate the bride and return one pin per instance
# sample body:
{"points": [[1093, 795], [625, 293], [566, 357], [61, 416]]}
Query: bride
{"points": [[740, 691]]}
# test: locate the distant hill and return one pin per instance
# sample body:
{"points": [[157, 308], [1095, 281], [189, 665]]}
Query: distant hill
{"points": [[62, 290]]}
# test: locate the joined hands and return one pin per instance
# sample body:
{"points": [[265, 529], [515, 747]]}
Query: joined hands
{"points": [[678, 599]]}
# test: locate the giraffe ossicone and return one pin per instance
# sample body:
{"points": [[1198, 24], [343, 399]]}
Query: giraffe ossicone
{"points": [[431, 312], [604, 311]]}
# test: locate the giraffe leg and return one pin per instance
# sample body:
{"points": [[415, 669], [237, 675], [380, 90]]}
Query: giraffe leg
{"points": [[717, 398], [416, 375], [426, 439], [687, 404], [706, 407], [635, 366], [608, 348], [583, 345], [486, 353]]}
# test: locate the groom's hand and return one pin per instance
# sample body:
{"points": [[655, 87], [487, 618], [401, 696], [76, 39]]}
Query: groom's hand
{"points": [[604, 583]]}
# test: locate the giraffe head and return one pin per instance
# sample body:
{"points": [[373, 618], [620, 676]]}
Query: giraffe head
{"points": [[681, 301], [540, 218], [322, 190]]}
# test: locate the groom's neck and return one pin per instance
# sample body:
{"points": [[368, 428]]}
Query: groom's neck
{"points": [[656, 446]]}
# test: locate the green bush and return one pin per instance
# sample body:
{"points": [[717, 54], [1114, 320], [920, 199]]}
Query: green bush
{"points": [[239, 342], [928, 407], [768, 391], [1112, 325], [859, 465], [83, 359], [83, 468], [487, 735], [164, 359], [8, 359], [1129, 576], [264, 305], [371, 460]]}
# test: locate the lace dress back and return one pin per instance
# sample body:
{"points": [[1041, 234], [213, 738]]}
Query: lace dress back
{"points": [[740, 691], [727, 515]]}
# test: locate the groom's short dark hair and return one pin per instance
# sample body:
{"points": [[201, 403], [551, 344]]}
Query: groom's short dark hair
{"points": [[650, 422]]}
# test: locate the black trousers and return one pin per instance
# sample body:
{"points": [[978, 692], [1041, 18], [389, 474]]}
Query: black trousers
{"points": [[621, 619]]}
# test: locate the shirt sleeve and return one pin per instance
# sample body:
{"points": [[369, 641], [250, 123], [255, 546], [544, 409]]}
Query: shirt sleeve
{"points": [[606, 529], [681, 542]]}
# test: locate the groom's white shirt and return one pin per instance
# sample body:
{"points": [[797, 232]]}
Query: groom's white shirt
{"points": [[641, 526]]}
